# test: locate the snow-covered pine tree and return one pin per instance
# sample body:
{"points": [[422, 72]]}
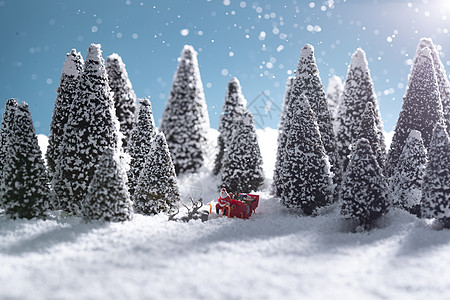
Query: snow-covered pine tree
{"points": [[25, 184], [242, 163], [364, 188], [441, 75], [70, 77], [358, 90], [232, 109], [141, 138], [406, 184], [6, 135], [334, 95], [306, 169], [108, 199], [92, 128], [421, 109], [436, 181], [278, 182], [309, 83], [185, 119], [124, 96], [369, 130], [157, 189]]}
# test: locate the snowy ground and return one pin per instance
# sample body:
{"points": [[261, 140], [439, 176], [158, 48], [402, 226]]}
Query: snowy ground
{"points": [[274, 255]]}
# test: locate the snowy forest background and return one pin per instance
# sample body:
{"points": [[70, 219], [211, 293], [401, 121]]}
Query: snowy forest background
{"points": [[333, 191]]}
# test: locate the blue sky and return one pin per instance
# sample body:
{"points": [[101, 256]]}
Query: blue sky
{"points": [[258, 42]]}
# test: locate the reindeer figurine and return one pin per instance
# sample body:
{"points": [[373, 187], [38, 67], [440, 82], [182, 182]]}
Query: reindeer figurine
{"points": [[193, 214]]}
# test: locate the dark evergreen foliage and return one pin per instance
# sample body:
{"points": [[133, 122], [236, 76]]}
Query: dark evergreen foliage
{"points": [[306, 169], [441, 75], [371, 132], [278, 182], [70, 78], [25, 183], [309, 83], [124, 96], [421, 108], [108, 199], [364, 188], [242, 163], [157, 189], [436, 181], [92, 128], [358, 90], [232, 110], [185, 119], [141, 138], [406, 184], [6, 135]]}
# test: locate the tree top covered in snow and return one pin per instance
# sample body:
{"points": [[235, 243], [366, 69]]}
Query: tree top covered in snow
{"points": [[72, 64], [333, 83], [359, 60]]}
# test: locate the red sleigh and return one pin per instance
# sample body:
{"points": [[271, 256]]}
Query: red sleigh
{"points": [[243, 207]]}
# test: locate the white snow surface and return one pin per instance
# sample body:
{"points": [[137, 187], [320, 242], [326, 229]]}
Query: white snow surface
{"points": [[273, 255]]}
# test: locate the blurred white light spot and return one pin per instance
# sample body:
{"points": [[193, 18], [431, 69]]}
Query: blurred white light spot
{"points": [[312, 4], [209, 85], [94, 28], [128, 2], [49, 81], [262, 36], [226, 2], [99, 21], [243, 4], [119, 35], [184, 32], [224, 72], [135, 36], [231, 54]]}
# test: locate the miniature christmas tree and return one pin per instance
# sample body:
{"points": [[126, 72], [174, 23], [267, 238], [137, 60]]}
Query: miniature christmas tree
{"points": [[406, 184], [108, 198], [278, 182], [364, 188], [309, 83], [92, 128], [441, 75], [370, 131], [436, 181], [70, 78], [185, 119], [6, 135], [124, 96], [231, 111], [242, 163], [157, 189], [421, 109], [334, 95], [25, 184], [306, 169], [358, 90], [141, 138]]}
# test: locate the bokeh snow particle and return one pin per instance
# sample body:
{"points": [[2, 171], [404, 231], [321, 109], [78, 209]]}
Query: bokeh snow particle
{"points": [[94, 28], [184, 32], [226, 2], [135, 36], [224, 72], [243, 4]]}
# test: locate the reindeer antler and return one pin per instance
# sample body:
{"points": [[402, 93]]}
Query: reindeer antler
{"points": [[171, 216]]}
